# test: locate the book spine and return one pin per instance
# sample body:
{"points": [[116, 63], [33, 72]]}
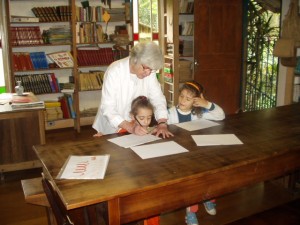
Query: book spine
{"points": [[64, 107], [71, 108], [52, 85]]}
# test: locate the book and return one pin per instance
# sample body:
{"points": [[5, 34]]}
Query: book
{"points": [[26, 101], [64, 107], [53, 113], [29, 35], [50, 104], [62, 59], [39, 60], [24, 19], [70, 105], [84, 167]]}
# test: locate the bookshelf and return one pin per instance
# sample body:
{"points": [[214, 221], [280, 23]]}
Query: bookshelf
{"points": [[176, 40], [73, 32]]}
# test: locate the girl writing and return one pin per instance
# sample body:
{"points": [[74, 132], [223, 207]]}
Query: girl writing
{"points": [[141, 114]]}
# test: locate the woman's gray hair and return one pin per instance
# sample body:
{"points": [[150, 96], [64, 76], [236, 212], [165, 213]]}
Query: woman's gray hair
{"points": [[148, 54]]}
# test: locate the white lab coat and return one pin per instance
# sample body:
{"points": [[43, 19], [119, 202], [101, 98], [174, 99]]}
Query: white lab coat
{"points": [[119, 88]]}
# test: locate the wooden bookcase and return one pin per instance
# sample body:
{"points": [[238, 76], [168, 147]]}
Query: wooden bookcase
{"points": [[83, 101], [176, 28]]}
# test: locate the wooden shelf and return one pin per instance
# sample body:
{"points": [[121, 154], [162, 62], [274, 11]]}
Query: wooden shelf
{"points": [[70, 44], [87, 120], [57, 124], [171, 21]]}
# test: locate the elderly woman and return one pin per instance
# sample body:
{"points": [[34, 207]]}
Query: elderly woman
{"points": [[126, 79]]}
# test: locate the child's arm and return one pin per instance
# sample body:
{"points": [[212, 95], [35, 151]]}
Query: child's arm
{"points": [[212, 111]]}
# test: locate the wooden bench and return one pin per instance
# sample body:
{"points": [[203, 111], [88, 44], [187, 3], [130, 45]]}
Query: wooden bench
{"points": [[34, 192]]}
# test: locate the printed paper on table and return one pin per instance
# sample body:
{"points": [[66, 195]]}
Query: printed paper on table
{"points": [[84, 167]]}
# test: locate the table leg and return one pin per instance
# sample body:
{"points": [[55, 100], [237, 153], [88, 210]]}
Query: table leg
{"points": [[114, 212]]}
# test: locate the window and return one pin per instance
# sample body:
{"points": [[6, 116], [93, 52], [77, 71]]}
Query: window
{"points": [[145, 20]]}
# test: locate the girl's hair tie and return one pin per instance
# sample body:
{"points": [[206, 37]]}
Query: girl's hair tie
{"points": [[194, 85]]}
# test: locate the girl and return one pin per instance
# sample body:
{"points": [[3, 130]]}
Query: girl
{"points": [[141, 114], [191, 106]]}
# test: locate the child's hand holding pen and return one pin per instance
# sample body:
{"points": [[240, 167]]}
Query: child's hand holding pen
{"points": [[139, 129]]}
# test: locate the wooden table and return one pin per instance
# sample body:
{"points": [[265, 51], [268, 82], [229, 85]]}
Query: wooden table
{"points": [[136, 188], [20, 130]]}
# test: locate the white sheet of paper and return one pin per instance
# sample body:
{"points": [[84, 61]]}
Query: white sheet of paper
{"points": [[131, 140], [197, 124], [84, 167], [159, 149], [216, 139]]}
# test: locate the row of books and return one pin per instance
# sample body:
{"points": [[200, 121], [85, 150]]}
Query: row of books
{"points": [[64, 13], [30, 61], [99, 56], [53, 111], [94, 14], [186, 6], [64, 59], [94, 56], [67, 106], [168, 72], [89, 33], [63, 108], [29, 35], [92, 80], [53, 13], [39, 83], [187, 28], [57, 35]]}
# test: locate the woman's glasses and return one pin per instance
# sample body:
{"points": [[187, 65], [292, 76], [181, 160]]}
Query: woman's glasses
{"points": [[146, 68]]}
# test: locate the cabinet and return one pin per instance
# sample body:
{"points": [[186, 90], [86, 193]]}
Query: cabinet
{"points": [[82, 29], [16, 142], [176, 40]]}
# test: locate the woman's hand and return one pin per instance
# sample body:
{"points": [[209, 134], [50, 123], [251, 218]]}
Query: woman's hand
{"points": [[162, 129], [99, 134]]}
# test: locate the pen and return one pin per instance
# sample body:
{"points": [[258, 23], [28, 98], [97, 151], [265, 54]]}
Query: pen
{"points": [[138, 121], [149, 129]]}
